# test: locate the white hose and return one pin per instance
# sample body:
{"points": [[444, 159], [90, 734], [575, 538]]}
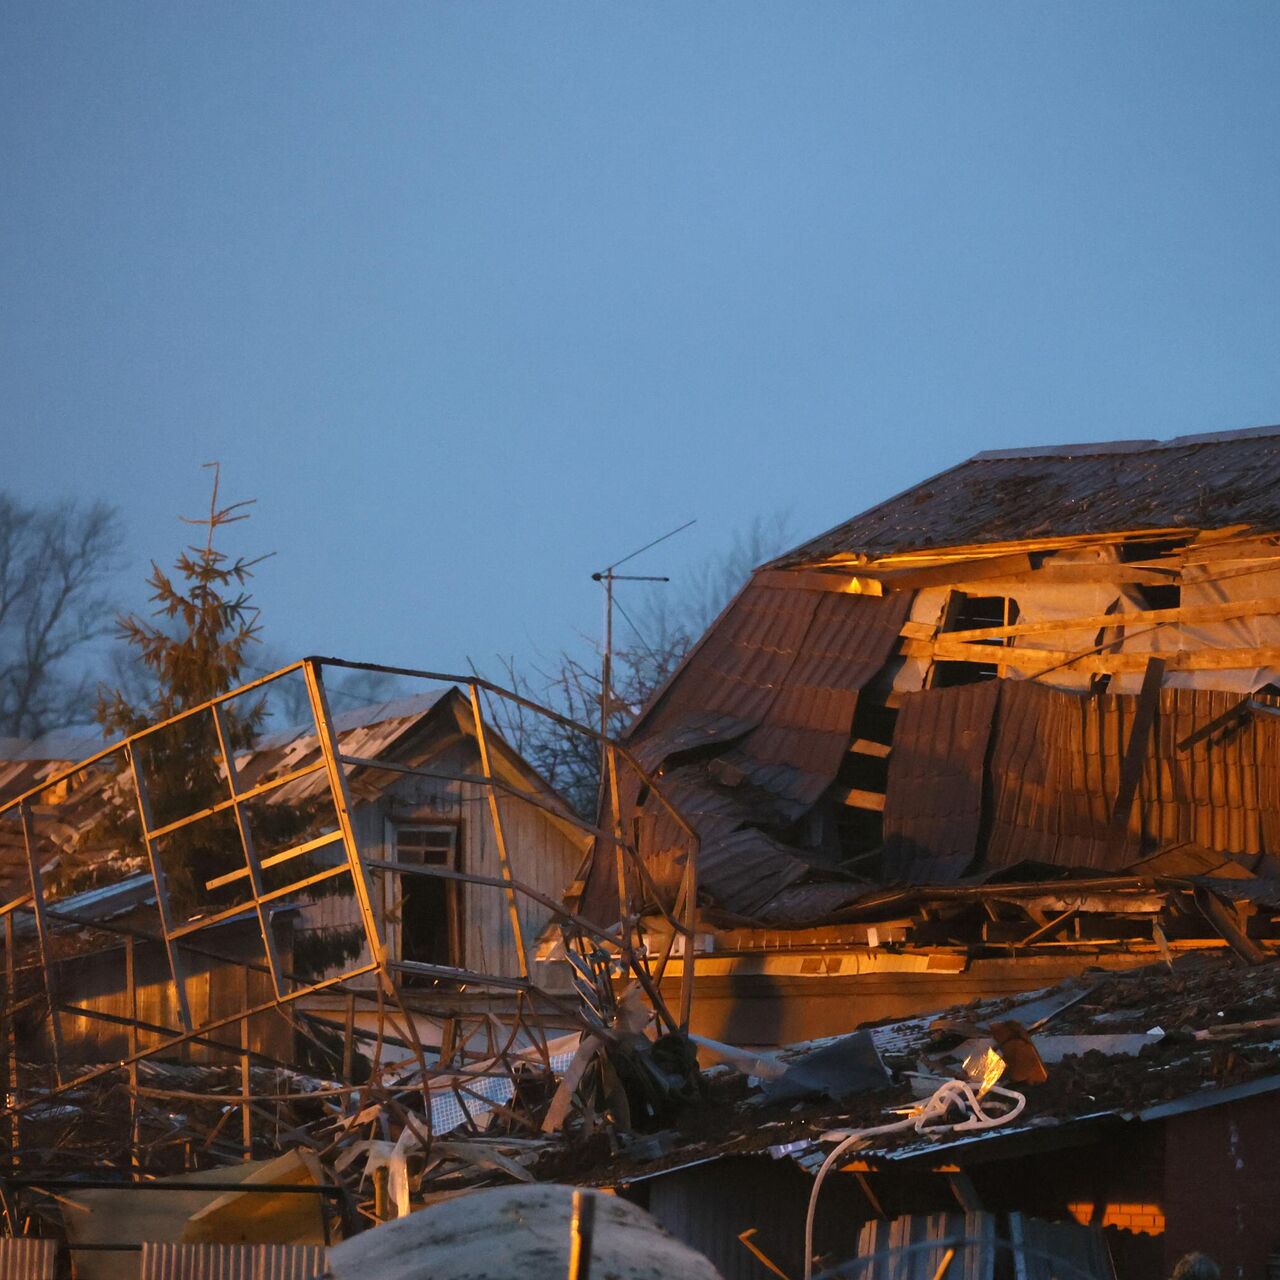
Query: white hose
{"points": [[948, 1092]]}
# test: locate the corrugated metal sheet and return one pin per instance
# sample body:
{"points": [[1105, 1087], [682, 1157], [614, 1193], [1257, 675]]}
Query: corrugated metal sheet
{"points": [[1050, 1250], [797, 748], [699, 731], [233, 1261], [23, 1258], [1055, 772], [802, 904], [1055, 769], [933, 801], [775, 683], [1191, 482], [739, 665], [912, 1247]]}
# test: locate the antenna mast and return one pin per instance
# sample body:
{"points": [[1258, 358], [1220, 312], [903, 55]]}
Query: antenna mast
{"points": [[608, 577]]}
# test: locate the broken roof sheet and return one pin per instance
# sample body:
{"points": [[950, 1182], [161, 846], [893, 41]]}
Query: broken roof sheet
{"points": [[361, 717], [1191, 482], [772, 690]]}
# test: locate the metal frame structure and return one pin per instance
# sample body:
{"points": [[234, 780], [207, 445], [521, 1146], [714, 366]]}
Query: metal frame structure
{"points": [[400, 1090]]}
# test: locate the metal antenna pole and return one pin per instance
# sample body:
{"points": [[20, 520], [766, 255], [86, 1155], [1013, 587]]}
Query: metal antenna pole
{"points": [[609, 577]]}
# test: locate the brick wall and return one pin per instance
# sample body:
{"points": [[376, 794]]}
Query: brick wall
{"points": [[1143, 1219], [1222, 1185]]}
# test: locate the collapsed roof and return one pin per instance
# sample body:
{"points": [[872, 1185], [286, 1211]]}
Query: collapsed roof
{"points": [[1061, 655]]}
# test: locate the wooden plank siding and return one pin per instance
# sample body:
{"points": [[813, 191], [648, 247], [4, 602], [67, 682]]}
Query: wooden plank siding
{"points": [[546, 854], [97, 982]]}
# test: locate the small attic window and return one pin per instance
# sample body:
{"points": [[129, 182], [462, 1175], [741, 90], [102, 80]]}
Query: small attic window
{"points": [[974, 613], [965, 612]]}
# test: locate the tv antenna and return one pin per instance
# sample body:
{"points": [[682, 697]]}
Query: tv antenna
{"points": [[608, 577]]}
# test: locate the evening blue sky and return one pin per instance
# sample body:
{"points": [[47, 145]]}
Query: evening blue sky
{"points": [[476, 297]]}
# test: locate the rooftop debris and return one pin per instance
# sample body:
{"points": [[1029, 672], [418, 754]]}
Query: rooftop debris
{"points": [[1219, 1028]]}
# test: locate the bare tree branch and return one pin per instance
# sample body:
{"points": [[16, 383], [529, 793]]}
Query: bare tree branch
{"points": [[55, 562]]}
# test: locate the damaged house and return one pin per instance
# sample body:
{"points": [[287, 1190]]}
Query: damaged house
{"points": [[929, 926], [418, 802], [988, 769], [1017, 722]]}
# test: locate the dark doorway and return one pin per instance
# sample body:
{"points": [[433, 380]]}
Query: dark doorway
{"points": [[430, 924]]}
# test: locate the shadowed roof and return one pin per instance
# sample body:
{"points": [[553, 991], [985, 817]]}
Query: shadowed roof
{"points": [[1192, 482]]}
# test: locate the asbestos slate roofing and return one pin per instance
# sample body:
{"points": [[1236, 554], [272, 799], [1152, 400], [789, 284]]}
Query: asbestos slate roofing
{"points": [[1190, 482]]}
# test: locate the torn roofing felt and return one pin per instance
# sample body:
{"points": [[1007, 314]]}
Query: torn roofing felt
{"points": [[1191, 482], [748, 735]]}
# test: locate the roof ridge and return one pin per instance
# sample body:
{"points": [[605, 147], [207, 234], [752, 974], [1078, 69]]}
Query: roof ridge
{"points": [[1090, 448]]}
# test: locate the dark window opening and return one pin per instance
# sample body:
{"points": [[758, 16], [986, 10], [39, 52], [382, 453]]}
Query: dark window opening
{"points": [[430, 906], [946, 675], [974, 613], [1156, 596]]}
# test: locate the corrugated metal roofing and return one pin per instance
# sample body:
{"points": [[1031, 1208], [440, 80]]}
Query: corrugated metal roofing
{"points": [[933, 801], [233, 1261], [1055, 773], [797, 748], [1192, 482], [24, 1258], [773, 688], [740, 664], [699, 731]]}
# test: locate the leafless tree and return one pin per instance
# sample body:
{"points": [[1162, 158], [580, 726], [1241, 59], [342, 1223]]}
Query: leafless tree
{"points": [[56, 562], [651, 640]]}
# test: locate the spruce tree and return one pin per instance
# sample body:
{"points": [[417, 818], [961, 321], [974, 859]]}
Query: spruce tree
{"points": [[212, 621], [193, 648]]}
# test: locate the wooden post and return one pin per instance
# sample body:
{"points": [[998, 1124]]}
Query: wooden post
{"points": [[615, 803], [504, 859], [690, 937]]}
